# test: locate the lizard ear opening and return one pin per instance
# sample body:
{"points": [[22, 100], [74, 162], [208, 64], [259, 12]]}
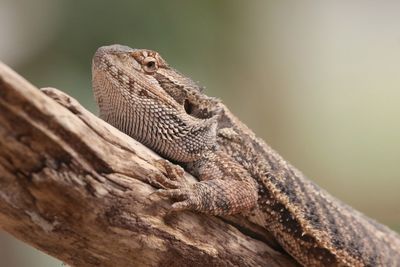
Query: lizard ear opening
{"points": [[188, 107], [197, 110]]}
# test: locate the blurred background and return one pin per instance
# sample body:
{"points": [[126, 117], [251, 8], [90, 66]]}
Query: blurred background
{"points": [[318, 80]]}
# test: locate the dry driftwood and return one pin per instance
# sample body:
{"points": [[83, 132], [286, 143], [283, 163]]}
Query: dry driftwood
{"points": [[78, 189]]}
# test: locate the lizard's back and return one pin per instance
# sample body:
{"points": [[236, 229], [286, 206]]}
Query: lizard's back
{"points": [[313, 226]]}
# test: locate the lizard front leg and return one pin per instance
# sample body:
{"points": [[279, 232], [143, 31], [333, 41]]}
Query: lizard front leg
{"points": [[225, 187]]}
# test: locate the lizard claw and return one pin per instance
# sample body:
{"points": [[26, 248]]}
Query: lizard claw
{"points": [[182, 205], [172, 176], [160, 181], [172, 193], [186, 198]]}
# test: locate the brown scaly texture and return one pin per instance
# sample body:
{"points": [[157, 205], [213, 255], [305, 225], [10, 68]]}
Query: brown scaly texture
{"points": [[141, 95]]}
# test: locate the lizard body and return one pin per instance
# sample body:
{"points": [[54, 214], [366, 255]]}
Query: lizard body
{"points": [[141, 95]]}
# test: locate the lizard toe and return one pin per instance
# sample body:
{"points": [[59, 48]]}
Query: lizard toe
{"points": [[180, 194]]}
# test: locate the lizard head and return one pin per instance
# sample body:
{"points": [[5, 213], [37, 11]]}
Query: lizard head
{"points": [[138, 93]]}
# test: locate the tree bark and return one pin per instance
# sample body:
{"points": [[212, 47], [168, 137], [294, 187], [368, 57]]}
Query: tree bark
{"points": [[78, 189]]}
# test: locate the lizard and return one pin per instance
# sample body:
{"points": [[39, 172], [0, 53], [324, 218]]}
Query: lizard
{"points": [[140, 94]]}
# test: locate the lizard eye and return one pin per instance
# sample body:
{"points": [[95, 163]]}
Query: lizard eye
{"points": [[150, 64]]}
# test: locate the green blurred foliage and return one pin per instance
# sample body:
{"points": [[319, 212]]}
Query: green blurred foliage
{"points": [[318, 80]]}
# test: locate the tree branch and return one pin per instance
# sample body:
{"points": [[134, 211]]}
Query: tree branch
{"points": [[78, 189]]}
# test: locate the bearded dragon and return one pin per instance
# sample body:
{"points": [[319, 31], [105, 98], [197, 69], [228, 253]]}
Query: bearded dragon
{"points": [[141, 95]]}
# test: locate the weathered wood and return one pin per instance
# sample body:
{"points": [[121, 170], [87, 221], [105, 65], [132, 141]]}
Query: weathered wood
{"points": [[78, 189]]}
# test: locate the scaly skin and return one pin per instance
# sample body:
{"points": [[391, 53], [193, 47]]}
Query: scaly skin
{"points": [[141, 95]]}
